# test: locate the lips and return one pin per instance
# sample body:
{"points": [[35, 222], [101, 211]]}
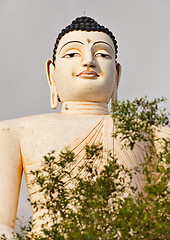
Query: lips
{"points": [[87, 74]]}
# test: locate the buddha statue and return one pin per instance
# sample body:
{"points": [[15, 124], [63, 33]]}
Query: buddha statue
{"points": [[84, 75]]}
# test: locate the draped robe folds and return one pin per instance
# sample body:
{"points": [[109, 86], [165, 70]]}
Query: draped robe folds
{"points": [[99, 133]]}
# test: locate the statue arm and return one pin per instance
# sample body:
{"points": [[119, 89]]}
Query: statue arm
{"points": [[10, 179]]}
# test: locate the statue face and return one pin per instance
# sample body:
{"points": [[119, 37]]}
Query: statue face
{"points": [[85, 68]]}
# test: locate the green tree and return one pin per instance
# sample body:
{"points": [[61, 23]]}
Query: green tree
{"points": [[98, 208]]}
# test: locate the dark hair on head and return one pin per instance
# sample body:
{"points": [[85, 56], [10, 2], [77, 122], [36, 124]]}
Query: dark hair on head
{"points": [[84, 24]]}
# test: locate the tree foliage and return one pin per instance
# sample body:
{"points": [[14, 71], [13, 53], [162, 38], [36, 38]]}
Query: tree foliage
{"points": [[98, 207]]}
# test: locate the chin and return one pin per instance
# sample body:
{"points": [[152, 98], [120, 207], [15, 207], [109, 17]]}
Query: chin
{"points": [[87, 95]]}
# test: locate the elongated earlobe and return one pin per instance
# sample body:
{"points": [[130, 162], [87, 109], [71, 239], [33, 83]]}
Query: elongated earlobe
{"points": [[53, 97], [114, 95], [52, 85], [116, 83]]}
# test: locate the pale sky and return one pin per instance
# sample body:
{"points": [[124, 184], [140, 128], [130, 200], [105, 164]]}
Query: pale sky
{"points": [[28, 29]]}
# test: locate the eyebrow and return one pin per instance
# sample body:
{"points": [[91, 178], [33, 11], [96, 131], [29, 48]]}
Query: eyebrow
{"points": [[70, 42], [105, 43]]}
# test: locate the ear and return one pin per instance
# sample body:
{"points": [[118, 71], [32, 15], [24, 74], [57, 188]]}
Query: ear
{"points": [[119, 71], [116, 85], [53, 90]]}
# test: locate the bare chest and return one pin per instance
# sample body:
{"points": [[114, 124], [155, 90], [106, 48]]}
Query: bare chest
{"points": [[53, 134]]}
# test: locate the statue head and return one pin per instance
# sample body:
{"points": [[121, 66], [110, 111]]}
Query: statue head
{"points": [[84, 65]]}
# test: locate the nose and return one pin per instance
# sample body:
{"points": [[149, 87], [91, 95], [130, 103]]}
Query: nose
{"points": [[88, 60]]}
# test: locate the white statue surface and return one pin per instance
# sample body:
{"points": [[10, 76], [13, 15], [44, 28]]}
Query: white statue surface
{"points": [[84, 75]]}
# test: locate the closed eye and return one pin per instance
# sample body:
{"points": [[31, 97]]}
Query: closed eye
{"points": [[102, 54], [71, 54]]}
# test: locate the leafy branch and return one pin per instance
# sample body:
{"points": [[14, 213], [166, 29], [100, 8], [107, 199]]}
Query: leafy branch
{"points": [[97, 206]]}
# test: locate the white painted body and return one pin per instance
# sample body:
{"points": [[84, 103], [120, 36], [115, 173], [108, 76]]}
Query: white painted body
{"points": [[85, 83], [25, 141]]}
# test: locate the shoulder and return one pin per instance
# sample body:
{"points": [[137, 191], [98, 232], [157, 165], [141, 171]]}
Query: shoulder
{"points": [[44, 122], [16, 129], [15, 124]]}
